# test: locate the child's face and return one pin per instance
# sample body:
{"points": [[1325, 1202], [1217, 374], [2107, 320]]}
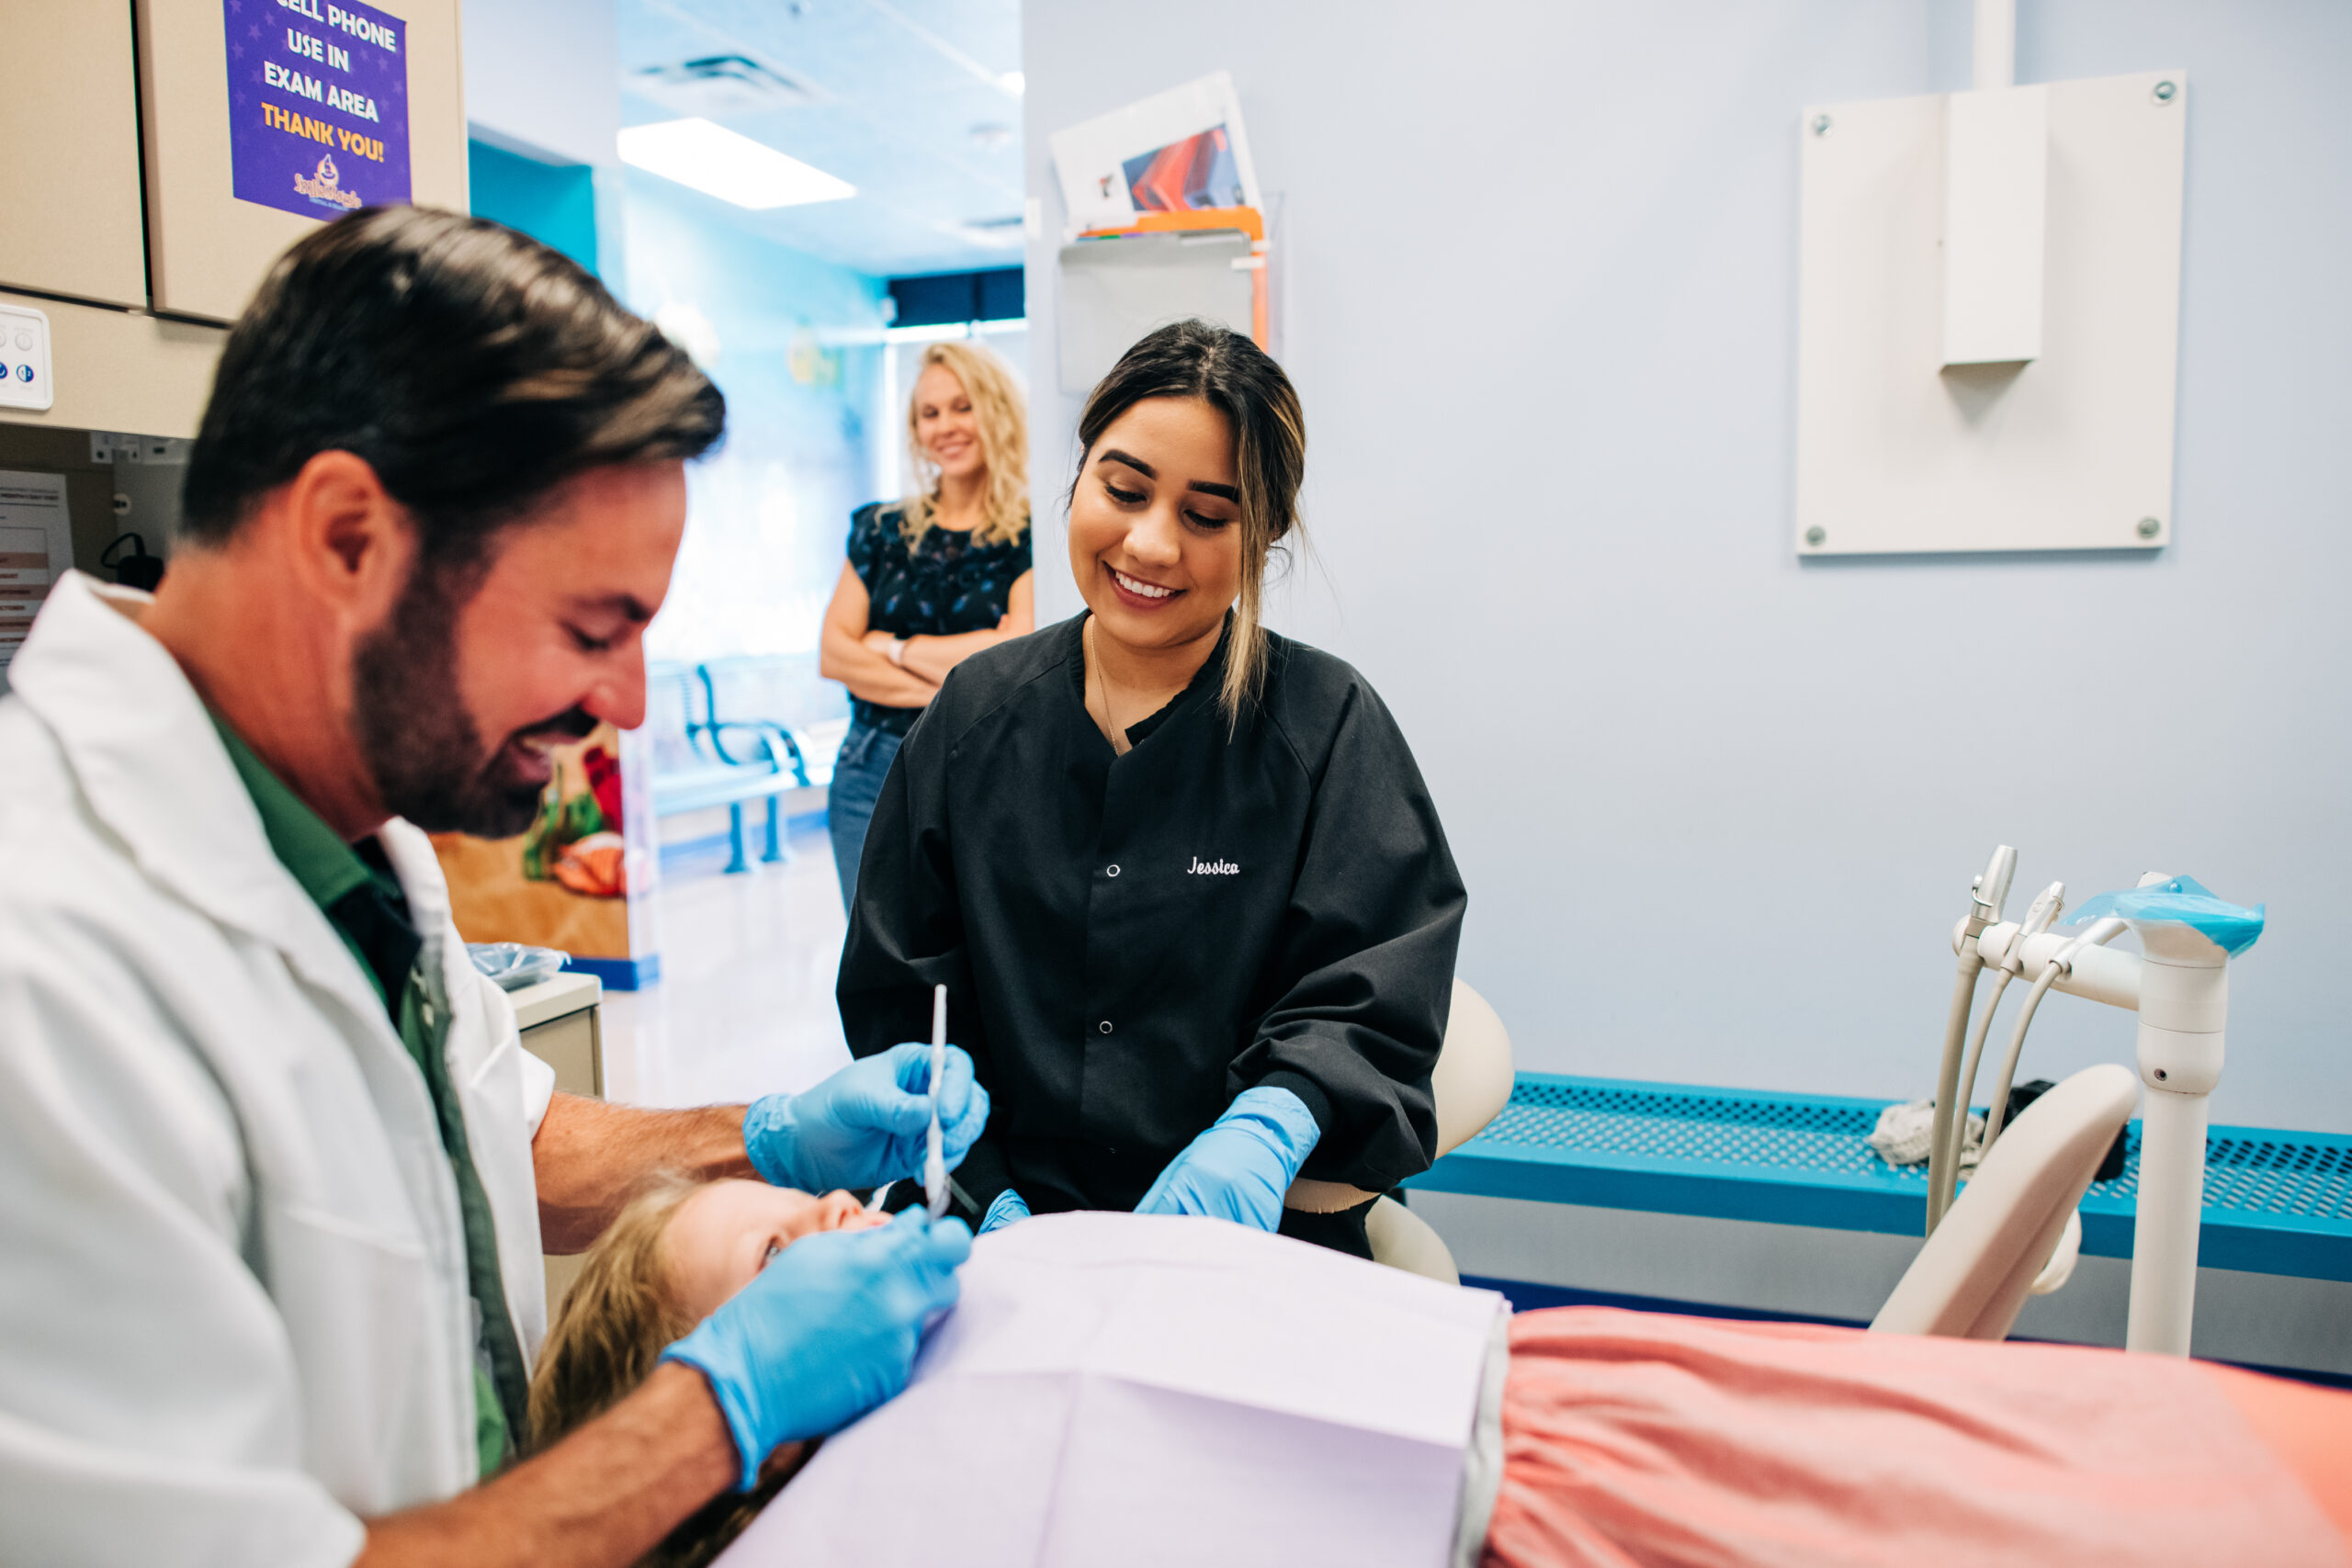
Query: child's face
{"points": [[726, 1232]]}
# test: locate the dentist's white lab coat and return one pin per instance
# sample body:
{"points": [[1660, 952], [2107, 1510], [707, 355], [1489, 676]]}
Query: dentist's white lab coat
{"points": [[233, 1311]]}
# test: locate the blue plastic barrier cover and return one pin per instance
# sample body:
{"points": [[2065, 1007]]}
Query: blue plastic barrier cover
{"points": [[2232, 927]]}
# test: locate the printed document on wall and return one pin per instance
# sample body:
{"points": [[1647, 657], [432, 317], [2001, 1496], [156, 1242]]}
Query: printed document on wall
{"points": [[36, 550]]}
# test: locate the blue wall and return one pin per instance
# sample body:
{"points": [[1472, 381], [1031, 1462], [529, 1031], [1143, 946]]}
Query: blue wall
{"points": [[1718, 808], [798, 353], [553, 203]]}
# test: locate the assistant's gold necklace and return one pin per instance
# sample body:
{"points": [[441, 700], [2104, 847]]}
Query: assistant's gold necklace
{"points": [[1102, 689]]}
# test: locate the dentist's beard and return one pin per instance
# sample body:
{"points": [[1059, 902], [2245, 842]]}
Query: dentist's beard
{"points": [[419, 742]]}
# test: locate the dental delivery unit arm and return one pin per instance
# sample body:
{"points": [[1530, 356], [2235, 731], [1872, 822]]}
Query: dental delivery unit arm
{"points": [[2179, 985]]}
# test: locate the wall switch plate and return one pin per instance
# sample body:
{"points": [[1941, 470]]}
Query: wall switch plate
{"points": [[25, 376]]}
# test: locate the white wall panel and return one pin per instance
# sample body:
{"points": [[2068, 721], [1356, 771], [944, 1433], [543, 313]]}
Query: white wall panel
{"points": [[1970, 378]]}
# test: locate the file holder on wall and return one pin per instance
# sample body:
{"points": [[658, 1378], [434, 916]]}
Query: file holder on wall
{"points": [[1118, 284]]}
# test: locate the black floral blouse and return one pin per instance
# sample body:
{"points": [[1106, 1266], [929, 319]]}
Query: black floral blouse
{"points": [[947, 585]]}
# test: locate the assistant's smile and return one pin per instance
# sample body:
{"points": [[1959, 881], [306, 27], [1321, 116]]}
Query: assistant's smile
{"points": [[1136, 588]]}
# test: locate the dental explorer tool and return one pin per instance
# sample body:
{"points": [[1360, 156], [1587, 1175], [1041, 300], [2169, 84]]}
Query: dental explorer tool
{"points": [[934, 1167], [874, 1204], [1985, 894]]}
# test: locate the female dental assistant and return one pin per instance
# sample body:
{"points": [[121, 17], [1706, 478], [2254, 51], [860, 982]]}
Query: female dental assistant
{"points": [[1181, 876]]}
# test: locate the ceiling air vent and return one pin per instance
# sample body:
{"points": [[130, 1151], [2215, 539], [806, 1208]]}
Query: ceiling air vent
{"points": [[720, 85]]}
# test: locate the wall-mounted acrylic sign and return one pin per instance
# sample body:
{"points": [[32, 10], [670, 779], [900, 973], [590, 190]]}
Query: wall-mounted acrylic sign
{"points": [[318, 105]]}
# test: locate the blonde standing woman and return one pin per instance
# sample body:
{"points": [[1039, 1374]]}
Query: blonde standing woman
{"points": [[931, 579]]}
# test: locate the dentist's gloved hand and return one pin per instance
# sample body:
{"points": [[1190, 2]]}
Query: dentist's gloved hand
{"points": [[1009, 1208], [866, 1124], [825, 1332], [1241, 1167]]}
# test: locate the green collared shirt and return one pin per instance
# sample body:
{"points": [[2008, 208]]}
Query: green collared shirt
{"points": [[356, 891]]}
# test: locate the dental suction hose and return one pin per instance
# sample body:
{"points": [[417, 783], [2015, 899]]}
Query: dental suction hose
{"points": [[1987, 894], [2060, 966], [2045, 908]]}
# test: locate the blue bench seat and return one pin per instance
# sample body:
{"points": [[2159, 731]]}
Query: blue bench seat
{"points": [[2275, 1202]]}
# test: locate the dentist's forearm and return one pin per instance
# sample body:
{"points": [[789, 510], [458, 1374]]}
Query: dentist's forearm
{"points": [[601, 1498], [590, 1157]]}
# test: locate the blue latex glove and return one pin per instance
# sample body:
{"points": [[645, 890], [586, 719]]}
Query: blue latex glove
{"points": [[825, 1332], [866, 1124], [1241, 1167], [1009, 1208]]}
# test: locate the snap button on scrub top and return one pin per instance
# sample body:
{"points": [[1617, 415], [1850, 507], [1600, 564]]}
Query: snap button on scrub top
{"points": [[1111, 870], [1104, 1026]]}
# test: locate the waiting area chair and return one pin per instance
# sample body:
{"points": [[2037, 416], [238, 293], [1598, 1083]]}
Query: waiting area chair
{"points": [[2014, 1231], [1471, 1084]]}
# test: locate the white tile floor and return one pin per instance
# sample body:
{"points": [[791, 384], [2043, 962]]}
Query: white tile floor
{"points": [[745, 1003]]}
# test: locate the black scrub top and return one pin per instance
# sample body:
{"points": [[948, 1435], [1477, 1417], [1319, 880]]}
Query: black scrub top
{"points": [[1129, 942]]}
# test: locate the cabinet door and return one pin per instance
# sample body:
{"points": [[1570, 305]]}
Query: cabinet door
{"points": [[265, 119], [69, 178]]}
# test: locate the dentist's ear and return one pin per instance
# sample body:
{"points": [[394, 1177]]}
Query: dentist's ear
{"points": [[349, 542]]}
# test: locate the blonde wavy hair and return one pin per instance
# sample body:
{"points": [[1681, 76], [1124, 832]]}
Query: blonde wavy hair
{"points": [[1004, 444], [608, 1336]]}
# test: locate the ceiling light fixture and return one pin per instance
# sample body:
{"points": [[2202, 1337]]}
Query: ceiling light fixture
{"points": [[1014, 82], [721, 163]]}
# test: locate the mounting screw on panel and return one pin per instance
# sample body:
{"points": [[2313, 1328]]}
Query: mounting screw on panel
{"points": [[2160, 1074], [2164, 92], [1821, 125], [2150, 528], [1815, 534]]}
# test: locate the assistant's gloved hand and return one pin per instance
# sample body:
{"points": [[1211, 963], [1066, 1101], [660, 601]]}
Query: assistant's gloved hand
{"points": [[1009, 1208], [825, 1332], [1241, 1167], [866, 1124]]}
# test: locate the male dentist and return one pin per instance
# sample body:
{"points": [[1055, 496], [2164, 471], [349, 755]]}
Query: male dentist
{"points": [[275, 1171]]}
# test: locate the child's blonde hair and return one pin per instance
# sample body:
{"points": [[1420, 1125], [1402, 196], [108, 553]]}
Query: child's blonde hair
{"points": [[606, 1338]]}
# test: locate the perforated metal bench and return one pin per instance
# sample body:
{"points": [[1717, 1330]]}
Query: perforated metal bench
{"points": [[2275, 1202]]}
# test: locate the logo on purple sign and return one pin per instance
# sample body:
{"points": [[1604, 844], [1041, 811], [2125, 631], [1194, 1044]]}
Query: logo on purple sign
{"points": [[318, 105]]}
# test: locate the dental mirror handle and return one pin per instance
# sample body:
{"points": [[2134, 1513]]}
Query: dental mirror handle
{"points": [[934, 1165]]}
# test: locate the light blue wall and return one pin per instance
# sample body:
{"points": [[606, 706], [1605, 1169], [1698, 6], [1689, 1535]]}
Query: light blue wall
{"points": [[553, 203], [799, 358], [1717, 808]]}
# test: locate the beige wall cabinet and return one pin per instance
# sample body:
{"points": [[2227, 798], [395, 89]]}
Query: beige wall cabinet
{"points": [[207, 249], [69, 125], [122, 369], [163, 262]]}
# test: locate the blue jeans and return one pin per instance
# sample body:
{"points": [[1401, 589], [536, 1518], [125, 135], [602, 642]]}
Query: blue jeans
{"points": [[864, 761]]}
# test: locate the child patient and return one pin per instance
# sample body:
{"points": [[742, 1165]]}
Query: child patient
{"points": [[1638, 1437], [677, 1251]]}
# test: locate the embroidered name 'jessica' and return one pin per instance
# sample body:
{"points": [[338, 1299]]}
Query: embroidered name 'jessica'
{"points": [[1215, 868]]}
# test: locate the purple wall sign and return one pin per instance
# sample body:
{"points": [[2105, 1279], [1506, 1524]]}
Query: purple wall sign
{"points": [[318, 105]]}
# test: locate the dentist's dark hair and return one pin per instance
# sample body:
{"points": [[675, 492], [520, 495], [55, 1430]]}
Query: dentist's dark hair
{"points": [[473, 367], [1241, 381]]}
